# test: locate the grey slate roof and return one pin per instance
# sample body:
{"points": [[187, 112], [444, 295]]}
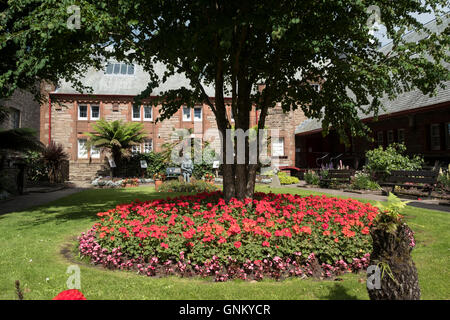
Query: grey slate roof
{"points": [[116, 84], [406, 101]]}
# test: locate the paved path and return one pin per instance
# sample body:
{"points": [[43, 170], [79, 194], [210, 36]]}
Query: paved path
{"points": [[26, 201], [425, 203]]}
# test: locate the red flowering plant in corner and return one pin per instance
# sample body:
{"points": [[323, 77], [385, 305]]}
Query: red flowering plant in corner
{"points": [[272, 235], [71, 294]]}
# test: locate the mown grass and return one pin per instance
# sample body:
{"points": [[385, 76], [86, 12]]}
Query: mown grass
{"points": [[32, 240]]}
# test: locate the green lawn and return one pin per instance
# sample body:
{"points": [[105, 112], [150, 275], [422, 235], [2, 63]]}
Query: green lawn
{"points": [[31, 243]]}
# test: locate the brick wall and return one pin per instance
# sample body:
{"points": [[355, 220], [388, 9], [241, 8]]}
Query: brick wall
{"points": [[66, 128]]}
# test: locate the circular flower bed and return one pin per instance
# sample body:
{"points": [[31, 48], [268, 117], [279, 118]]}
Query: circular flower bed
{"points": [[272, 235]]}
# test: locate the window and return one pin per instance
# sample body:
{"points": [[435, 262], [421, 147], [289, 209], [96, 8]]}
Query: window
{"points": [[316, 87], [82, 112], [82, 150], [148, 113], [197, 113], [435, 137], [95, 112], [401, 135], [16, 119], [380, 138], [448, 135], [278, 147], [186, 114], [136, 149], [390, 137], [136, 114], [148, 146], [119, 69], [95, 153]]}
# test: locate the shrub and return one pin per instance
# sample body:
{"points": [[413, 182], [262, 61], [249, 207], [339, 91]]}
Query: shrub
{"points": [[268, 236], [36, 168], [53, 156], [181, 186], [311, 177], [382, 162], [286, 179], [444, 178], [362, 181]]}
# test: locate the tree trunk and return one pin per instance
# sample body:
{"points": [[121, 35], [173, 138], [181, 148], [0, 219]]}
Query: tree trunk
{"points": [[395, 249]]}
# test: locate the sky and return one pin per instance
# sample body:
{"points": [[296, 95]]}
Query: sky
{"points": [[423, 18]]}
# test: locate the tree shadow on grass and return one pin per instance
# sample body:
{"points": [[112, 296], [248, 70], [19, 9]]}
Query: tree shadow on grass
{"points": [[338, 292], [86, 204]]}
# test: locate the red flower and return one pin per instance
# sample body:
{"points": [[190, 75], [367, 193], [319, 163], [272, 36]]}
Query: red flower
{"points": [[72, 294], [265, 244], [164, 245], [237, 244]]}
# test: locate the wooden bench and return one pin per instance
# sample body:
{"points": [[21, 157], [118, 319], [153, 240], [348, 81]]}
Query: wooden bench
{"points": [[340, 176], [402, 178], [173, 172]]}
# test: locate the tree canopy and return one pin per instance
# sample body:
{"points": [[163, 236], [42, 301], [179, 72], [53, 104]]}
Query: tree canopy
{"points": [[234, 46]]}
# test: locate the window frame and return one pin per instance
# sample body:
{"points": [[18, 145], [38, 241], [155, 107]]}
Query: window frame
{"points": [[92, 117], [438, 146], [86, 154], [138, 149], [79, 112], [390, 132], [283, 149], [151, 112], [185, 118], [132, 113], [403, 138], [95, 153], [16, 118], [150, 142], [201, 113], [382, 138]]}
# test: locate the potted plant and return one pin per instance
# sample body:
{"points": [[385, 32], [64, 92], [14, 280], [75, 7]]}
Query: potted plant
{"points": [[158, 177], [209, 177]]}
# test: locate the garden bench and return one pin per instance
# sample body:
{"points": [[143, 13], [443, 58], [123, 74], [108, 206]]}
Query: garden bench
{"points": [[424, 179], [341, 176], [173, 172]]}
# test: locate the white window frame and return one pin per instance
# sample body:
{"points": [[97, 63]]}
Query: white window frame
{"points": [[435, 147], [316, 87], [276, 141], [79, 112], [201, 113], [95, 118], [380, 134], [135, 149], [144, 146], [151, 113], [185, 115], [80, 146], [132, 113], [95, 152]]}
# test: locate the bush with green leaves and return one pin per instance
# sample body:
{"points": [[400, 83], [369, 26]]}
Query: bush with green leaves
{"points": [[181, 186], [363, 181], [444, 178], [382, 161], [286, 179], [312, 178], [36, 168]]}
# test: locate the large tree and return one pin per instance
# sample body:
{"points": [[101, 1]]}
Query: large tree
{"points": [[234, 46]]}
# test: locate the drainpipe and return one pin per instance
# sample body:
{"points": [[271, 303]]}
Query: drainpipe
{"points": [[49, 120]]}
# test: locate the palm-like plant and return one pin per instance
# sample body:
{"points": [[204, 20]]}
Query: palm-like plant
{"points": [[116, 137], [53, 156]]}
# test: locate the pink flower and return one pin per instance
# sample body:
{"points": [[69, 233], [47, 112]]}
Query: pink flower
{"points": [[265, 244], [237, 244]]}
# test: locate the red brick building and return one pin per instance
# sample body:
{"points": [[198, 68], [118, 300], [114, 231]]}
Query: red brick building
{"points": [[70, 114], [421, 122]]}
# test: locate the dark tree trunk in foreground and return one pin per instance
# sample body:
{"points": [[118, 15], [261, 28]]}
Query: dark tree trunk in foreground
{"points": [[394, 249]]}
